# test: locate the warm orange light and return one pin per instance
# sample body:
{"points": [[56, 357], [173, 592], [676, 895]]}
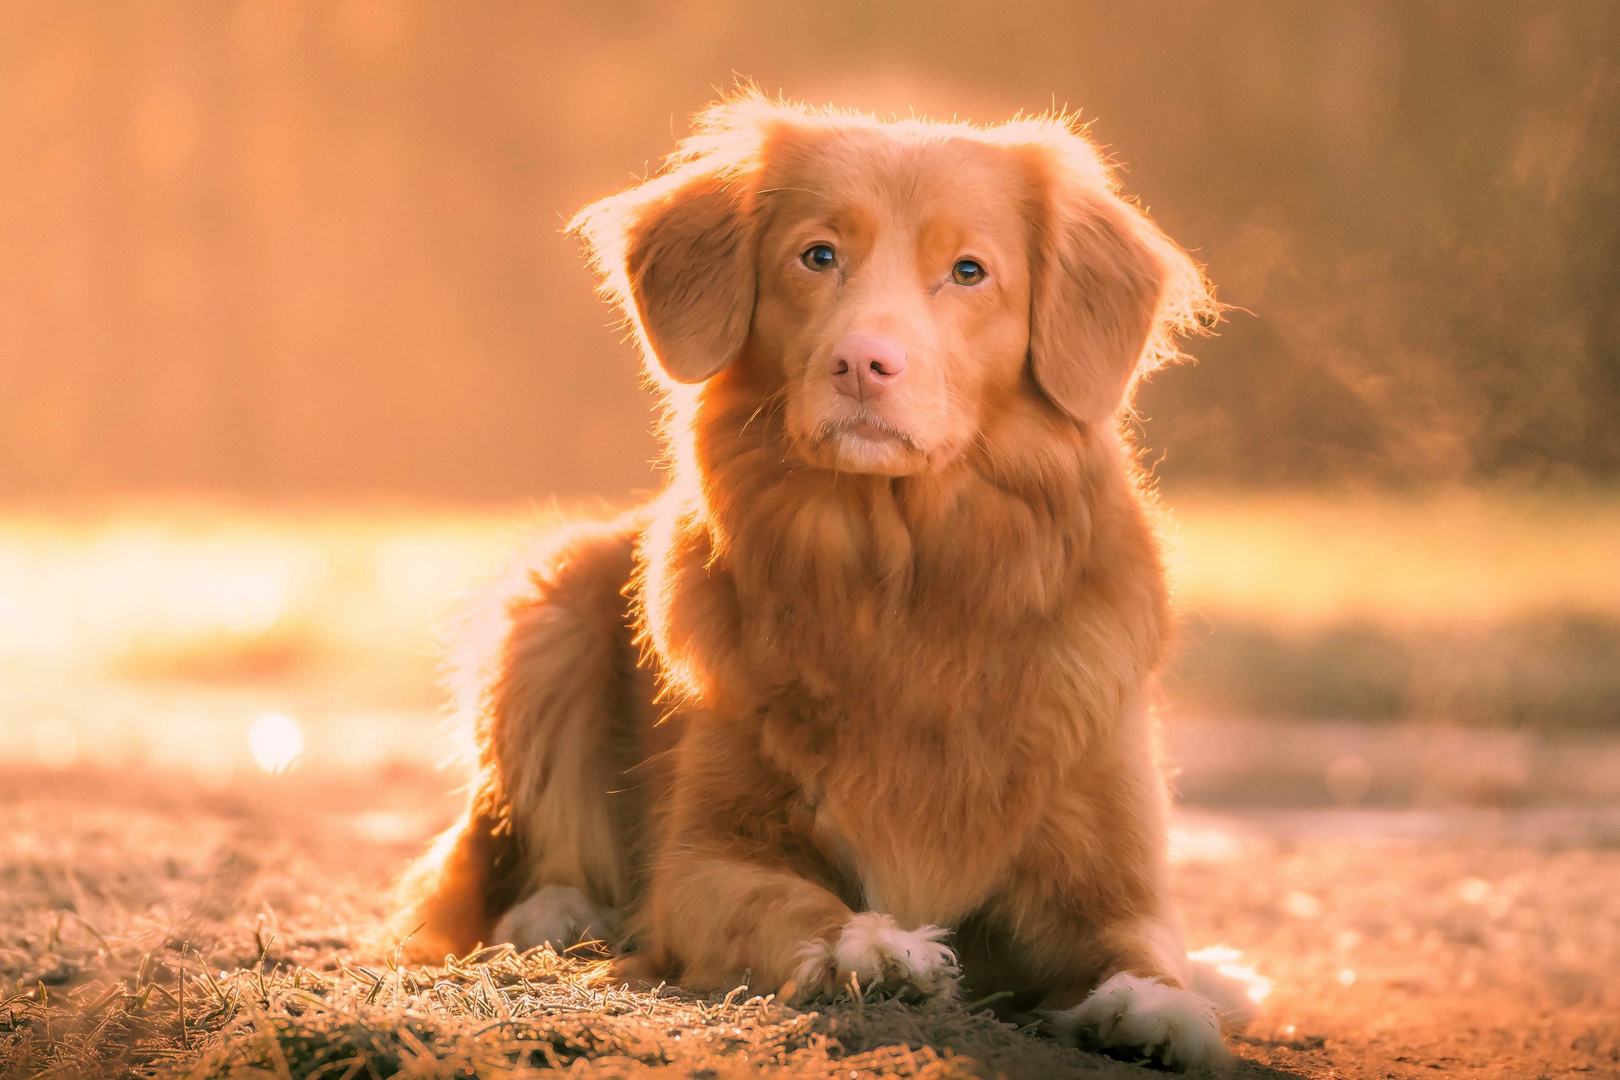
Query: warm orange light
{"points": [[1227, 961], [277, 741], [56, 743]]}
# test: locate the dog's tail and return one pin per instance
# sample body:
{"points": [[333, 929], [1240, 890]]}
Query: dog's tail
{"points": [[1237, 990]]}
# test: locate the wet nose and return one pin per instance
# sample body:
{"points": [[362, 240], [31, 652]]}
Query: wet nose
{"points": [[864, 366]]}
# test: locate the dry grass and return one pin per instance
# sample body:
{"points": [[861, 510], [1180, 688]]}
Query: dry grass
{"points": [[150, 928], [498, 1014], [493, 1014]]}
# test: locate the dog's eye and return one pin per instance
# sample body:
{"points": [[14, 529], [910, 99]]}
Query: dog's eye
{"points": [[967, 272], [819, 257]]}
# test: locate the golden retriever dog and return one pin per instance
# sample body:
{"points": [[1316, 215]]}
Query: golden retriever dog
{"points": [[864, 695]]}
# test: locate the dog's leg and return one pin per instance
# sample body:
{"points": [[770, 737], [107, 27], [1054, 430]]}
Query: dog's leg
{"points": [[721, 922], [737, 895], [555, 915], [1087, 898], [560, 706], [1140, 1006], [875, 950], [547, 682], [1109, 959], [452, 894]]}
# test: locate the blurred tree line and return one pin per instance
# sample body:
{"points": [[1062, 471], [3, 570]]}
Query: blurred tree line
{"points": [[280, 247]]}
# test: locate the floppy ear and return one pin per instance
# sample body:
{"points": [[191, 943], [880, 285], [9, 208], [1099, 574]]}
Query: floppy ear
{"points": [[677, 254], [1108, 288]]}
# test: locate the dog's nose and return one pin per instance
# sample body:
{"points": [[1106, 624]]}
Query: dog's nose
{"points": [[866, 365]]}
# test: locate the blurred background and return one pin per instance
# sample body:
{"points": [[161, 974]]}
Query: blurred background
{"points": [[293, 351]]}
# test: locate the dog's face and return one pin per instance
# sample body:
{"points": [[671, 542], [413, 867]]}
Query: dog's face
{"points": [[893, 287], [892, 294]]}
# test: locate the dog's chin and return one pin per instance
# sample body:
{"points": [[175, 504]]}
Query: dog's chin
{"points": [[866, 446]]}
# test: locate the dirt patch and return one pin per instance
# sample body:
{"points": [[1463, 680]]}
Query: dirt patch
{"points": [[148, 927]]}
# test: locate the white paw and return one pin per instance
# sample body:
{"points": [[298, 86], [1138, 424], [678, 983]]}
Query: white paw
{"points": [[1175, 1027], [874, 949], [558, 914]]}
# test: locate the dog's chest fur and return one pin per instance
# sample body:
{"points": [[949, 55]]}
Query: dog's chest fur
{"points": [[915, 810], [923, 686]]}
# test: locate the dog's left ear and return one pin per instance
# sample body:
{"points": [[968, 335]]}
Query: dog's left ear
{"points": [[677, 255], [1108, 288]]}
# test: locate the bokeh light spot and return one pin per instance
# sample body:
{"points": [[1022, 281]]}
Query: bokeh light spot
{"points": [[1227, 961], [276, 741], [1201, 845], [1302, 905]]}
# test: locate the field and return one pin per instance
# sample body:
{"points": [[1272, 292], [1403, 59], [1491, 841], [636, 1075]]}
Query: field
{"points": [[1480, 609], [221, 741], [1452, 940]]}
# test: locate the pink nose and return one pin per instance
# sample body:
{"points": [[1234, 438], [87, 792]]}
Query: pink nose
{"points": [[864, 366]]}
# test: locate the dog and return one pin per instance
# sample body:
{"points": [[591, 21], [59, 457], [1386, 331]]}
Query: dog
{"points": [[864, 695]]}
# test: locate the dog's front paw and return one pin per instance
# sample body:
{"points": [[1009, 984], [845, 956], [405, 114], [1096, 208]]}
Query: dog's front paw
{"points": [[559, 915], [878, 953], [1174, 1027]]}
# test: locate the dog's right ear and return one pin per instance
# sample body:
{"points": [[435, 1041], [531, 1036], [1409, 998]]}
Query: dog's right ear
{"points": [[1109, 291], [677, 255]]}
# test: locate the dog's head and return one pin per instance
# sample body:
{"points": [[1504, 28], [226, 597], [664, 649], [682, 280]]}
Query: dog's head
{"points": [[893, 286]]}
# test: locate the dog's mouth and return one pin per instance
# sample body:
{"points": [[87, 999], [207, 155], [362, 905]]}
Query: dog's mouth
{"points": [[863, 427], [864, 442]]}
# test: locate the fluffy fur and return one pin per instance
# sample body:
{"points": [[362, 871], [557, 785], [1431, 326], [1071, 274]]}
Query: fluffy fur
{"points": [[869, 672], [1173, 1027]]}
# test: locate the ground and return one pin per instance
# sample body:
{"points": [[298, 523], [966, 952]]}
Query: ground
{"points": [[1397, 944], [1395, 725]]}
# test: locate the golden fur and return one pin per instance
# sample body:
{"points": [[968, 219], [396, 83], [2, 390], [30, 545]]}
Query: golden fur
{"points": [[886, 656]]}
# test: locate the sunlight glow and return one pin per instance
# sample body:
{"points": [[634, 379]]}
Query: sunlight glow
{"points": [[1225, 960], [248, 602], [276, 741], [211, 765], [1459, 556], [56, 743], [1302, 905], [1201, 845], [383, 827]]}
